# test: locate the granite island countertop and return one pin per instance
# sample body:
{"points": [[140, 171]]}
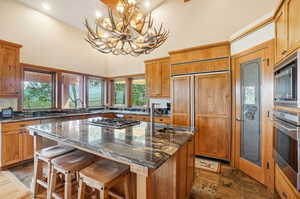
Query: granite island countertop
{"points": [[61, 115], [136, 144]]}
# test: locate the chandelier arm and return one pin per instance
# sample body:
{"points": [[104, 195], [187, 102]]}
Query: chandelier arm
{"points": [[142, 26], [90, 32], [111, 17]]}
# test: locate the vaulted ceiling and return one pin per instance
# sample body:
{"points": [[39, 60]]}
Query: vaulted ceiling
{"points": [[73, 12]]}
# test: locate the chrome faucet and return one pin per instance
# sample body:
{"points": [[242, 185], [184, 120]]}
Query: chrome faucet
{"points": [[152, 115]]}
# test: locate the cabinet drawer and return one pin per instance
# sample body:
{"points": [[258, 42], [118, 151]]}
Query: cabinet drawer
{"points": [[18, 125], [165, 120], [282, 187]]}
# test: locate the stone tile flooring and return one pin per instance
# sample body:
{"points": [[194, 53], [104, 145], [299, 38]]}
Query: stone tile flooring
{"points": [[230, 184]]}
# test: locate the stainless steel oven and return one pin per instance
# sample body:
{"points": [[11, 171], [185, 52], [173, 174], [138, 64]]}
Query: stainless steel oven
{"points": [[286, 145], [287, 86]]}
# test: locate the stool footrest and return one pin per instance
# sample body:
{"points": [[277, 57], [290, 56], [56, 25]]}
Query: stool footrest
{"points": [[43, 183], [115, 195]]}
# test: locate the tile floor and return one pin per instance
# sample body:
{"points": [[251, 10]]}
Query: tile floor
{"points": [[229, 184]]}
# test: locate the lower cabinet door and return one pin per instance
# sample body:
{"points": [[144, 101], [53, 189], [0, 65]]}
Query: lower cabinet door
{"points": [[12, 150], [27, 145], [282, 187]]}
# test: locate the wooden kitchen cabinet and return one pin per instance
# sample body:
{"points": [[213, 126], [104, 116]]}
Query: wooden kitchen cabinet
{"points": [[158, 77], [16, 143], [293, 23], [207, 58], [287, 27], [10, 71], [11, 148], [281, 34], [28, 145], [283, 186]]}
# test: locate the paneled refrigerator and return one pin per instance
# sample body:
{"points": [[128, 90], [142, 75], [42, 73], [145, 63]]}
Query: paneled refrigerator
{"points": [[204, 101]]}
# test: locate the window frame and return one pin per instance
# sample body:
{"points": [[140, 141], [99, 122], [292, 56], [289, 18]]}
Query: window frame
{"points": [[87, 91], [54, 88], [131, 86], [81, 88], [126, 92]]}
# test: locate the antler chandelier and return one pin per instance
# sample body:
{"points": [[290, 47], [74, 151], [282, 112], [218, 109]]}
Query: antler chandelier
{"points": [[126, 31]]}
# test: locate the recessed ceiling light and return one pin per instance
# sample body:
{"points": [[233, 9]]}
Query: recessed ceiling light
{"points": [[98, 14], [46, 6], [147, 4]]}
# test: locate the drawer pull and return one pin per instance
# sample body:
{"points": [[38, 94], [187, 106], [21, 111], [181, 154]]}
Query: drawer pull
{"points": [[22, 125], [284, 195]]}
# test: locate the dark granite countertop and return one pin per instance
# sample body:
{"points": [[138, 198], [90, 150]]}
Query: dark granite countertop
{"points": [[60, 115], [132, 144]]}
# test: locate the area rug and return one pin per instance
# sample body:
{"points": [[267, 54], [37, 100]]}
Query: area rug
{"points": [[11, 187], [208, 165]]}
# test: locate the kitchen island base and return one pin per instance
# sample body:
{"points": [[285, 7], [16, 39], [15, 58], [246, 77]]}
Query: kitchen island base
{"points": [[172, 180]]}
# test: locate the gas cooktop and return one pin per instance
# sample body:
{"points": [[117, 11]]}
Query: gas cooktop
{"points": [[116, 123]]}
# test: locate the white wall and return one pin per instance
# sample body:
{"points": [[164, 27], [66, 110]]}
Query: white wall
{"points": [[47, 41], [195, 23]]}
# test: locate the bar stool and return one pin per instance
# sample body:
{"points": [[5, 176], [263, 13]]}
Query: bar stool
{"points": [[102, 176], [68, 165], [46, 155]]}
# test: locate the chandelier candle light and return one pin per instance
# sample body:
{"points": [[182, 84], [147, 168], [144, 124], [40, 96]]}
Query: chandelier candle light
{"points": [[127, 31]]}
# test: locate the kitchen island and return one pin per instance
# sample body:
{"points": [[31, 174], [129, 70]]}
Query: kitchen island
{"points": [[161, 160]]}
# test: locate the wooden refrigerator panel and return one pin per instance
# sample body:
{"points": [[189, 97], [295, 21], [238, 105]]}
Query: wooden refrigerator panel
{"points": [[213, 115], [181, 101]]}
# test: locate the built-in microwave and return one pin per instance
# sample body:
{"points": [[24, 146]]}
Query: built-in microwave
{"points": [[287, 83], [286, 145]]}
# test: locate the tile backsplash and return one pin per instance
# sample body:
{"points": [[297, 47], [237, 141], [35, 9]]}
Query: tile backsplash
{"points": [[9, 102]]}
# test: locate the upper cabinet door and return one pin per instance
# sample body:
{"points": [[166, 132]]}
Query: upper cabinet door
{"points": [[293, 23], [281, 34], [10, 70], [153, 73], [165, 78]]}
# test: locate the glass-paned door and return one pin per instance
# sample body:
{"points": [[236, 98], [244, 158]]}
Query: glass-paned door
{"points": [[250, 111]]}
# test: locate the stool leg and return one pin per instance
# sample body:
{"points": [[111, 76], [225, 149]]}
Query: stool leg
{"points": [[38, 173], [127, 186], [68, 185], [49, 173], [52, 183], [81, 190], [104, 193]]}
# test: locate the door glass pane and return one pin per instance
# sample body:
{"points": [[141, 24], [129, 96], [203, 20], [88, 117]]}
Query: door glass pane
{"points": [[250, 112]]}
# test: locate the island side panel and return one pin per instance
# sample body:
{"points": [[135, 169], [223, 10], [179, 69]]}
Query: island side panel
{"points": [[174, 179]]}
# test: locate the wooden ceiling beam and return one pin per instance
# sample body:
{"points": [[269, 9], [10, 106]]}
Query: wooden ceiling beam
{"points": [[110, 3]]}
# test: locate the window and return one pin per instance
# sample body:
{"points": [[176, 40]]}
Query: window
{"points": [[138, 92], [72, 91], [119, 92], [95, 92], [38, 90]]}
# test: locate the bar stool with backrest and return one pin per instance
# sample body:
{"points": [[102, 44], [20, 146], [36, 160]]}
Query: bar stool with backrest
{"points": [[46, 155], [68, 165], [103, 175]]}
